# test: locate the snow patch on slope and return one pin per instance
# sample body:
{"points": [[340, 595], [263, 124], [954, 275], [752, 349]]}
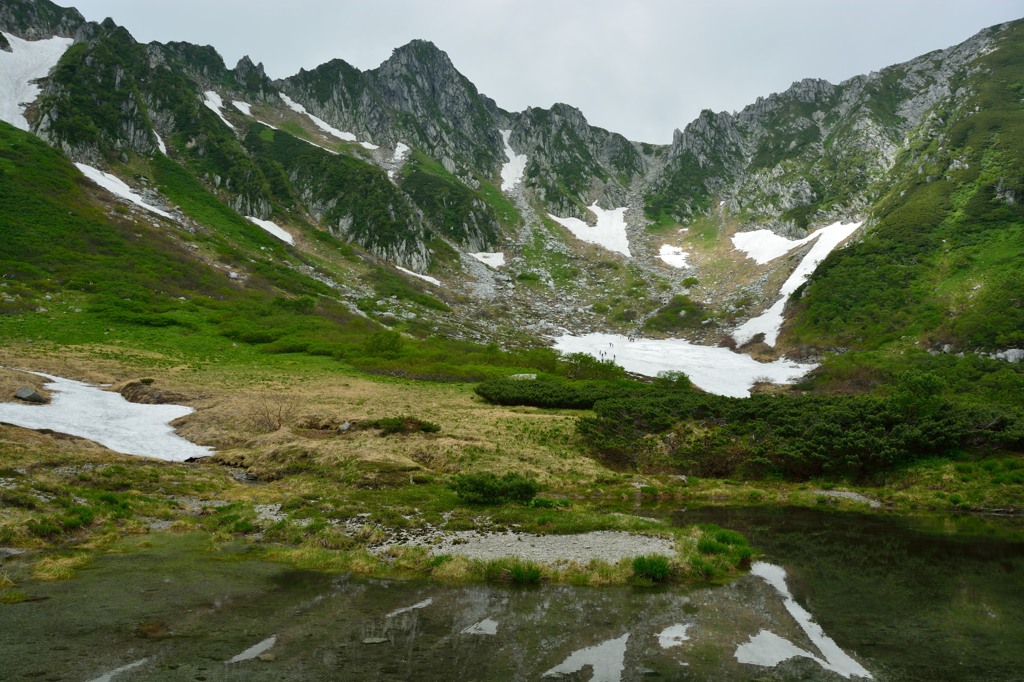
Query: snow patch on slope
{"points": [[244, 107], [425, 278], [272, 228], [609, 232], [674, 256], [322, 124], [512, 171], [27, 61], [770, 321], [215, 104], [118, 187], [495, 260]]}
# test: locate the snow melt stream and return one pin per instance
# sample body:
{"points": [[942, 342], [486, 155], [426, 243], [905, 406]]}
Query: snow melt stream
{"points": [[716, 370], [82, 410], [27, 61]]}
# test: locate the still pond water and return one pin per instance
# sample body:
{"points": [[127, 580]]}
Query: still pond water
{"points": [[922, 599]]}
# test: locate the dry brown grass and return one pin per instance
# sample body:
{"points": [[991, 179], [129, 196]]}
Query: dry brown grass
{"points": [[54, 569]]}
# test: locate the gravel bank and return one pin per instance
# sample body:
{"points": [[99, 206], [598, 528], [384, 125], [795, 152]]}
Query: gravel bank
{"points": [[610, 546]]}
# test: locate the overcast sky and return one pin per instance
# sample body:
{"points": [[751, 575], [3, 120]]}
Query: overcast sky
{"points": [[638, 67]]}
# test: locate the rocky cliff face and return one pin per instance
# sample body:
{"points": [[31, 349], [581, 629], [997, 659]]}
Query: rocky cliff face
{"points": [[39, 19]]}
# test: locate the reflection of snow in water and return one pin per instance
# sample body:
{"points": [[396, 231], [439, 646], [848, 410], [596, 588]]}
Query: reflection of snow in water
{"points": [[484, 627], [716, 370], [768, 649], [607, 660], [107, 418], [117, 671], [421, 605], [254, 651], [674, 635]]}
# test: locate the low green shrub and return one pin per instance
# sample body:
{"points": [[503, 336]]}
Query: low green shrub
{"points": [[653, 567], [402, 424], [490, 489]]}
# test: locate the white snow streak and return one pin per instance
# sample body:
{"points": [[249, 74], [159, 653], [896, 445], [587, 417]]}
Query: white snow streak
{"points": [[768, 649], [674, 256], [254, 651], [244, 107], [118, 187], [770, 321], [495, 260], [160, 143], [425, 278], [319, 122], [420, 605], [27, 61], [272, 228], [609, 232], [512, 171], [82, 410], [716, 370], [215, 104], [607, 661]]}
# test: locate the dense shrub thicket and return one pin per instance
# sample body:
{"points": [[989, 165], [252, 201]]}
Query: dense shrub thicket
{"points": [[795, 437]]}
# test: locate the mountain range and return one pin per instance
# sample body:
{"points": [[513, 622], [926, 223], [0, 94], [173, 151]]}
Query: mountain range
{"points": [[403, 198]]}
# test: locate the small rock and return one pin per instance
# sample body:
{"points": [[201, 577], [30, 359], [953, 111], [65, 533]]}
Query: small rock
{"points": [[375, 640], [29, 395]]}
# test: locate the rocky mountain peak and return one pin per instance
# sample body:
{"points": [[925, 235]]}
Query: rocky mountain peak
{"points": [[39, 19]]}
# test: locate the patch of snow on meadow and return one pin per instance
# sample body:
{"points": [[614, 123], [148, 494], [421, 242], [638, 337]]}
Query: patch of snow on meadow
{"points": [[609, 232], [768, 649], [674, 256], [495, 260], [27, 61], [244, 107], [512, 171], [273, 228], [606, 660], [716, 370], [425, 278], [118, 187], [770, 321], [106, 417], [215, 104], [401, 150]]}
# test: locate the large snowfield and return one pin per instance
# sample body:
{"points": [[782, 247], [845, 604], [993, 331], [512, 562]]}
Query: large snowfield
{"points": [[713, 369], [609, 232], [27, 61], [82, 410], [761, 247]]}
